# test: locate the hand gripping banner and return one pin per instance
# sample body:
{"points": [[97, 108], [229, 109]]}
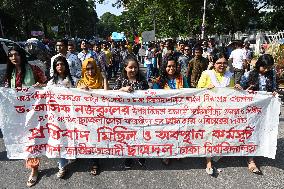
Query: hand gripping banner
{"points": [[72, 123]]}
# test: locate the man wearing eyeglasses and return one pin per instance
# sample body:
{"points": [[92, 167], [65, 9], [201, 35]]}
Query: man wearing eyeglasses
{"points": [[73, 61], [183, 61]]}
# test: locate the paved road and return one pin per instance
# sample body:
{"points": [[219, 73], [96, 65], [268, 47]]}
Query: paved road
{"points": [[186, 173]]}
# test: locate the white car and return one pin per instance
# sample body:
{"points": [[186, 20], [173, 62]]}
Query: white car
{"points": [[6, 44]]}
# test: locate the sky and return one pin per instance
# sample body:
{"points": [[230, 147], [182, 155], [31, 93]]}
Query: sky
{"points": [[107, 7]]}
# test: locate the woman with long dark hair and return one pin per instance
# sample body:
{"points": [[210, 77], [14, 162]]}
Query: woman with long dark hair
{"points": [[170, 78], [261, 78], [61, 76], [131, 79], [20, 73]]}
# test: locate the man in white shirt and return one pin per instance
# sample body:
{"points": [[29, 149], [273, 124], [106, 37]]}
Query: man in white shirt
{"points": [[86, 52], [148, 62], [74, 63], [239, 62], [248, 53]]}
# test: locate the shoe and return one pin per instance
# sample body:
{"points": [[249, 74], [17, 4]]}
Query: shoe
{"points": [[61, 173], [127, 164], [95, 170], [253, 168], [32, 180], [141, 162], [213, 171]]}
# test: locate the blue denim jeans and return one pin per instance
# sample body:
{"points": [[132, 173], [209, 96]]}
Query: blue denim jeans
{"points": [[62, 162], [149, 71]]}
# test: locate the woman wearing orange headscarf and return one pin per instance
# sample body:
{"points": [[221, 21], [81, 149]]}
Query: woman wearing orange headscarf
{"points": [[92, 78]]}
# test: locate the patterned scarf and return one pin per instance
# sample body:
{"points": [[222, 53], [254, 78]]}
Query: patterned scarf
{"points": [[178, 83]]}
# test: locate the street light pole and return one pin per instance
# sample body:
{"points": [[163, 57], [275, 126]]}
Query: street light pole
{"points": [[203, 21], [155, 27], [69, 20], [1, 29]]}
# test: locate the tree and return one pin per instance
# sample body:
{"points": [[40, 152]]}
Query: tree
{"points": [[108, 23], [76, 17], [183, 17]]}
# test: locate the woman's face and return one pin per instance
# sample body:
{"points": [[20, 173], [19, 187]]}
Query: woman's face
{"points": [[60, 67], [14, 57], [90, 69], [171, 68], [131, 69], [221, 65], [264, 70]]}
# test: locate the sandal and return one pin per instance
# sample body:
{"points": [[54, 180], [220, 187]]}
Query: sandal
{"points": [[61, 173], [32, 180], [95, 170], [166, 161], [213, 171], [209, 170], [253, 168]]}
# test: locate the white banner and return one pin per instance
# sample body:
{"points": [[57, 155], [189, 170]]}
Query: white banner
{"points": [[148, 36], [71, 123]]}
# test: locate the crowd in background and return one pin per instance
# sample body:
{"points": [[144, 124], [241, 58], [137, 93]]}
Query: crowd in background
{"points": [[169, 65]]}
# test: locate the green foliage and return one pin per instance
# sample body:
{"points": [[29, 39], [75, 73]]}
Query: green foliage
{"points": [[78, 15], [107, 24], [171, 18], [184, 17]]}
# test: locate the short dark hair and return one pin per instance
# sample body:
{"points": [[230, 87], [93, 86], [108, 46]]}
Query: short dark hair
{"points": [[218, 56], [199, 48], [71, 43], [86, 41], [64, 41]]}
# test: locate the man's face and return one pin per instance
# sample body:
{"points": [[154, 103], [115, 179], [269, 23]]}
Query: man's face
{"points": [[187, 51], [211, 43], [197, 53], [105, 46], [97, 48], [84, 45], [181, 47], [71, 48], [60, 47]]}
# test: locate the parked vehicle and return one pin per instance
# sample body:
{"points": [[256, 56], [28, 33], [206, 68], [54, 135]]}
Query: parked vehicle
{"points": [[5, 44]]}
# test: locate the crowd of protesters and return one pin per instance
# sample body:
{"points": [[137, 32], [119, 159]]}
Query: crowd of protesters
{"points": [[169, 65]]}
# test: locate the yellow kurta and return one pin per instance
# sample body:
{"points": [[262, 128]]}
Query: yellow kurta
{"points": [[108, 56], [205, 80]]}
